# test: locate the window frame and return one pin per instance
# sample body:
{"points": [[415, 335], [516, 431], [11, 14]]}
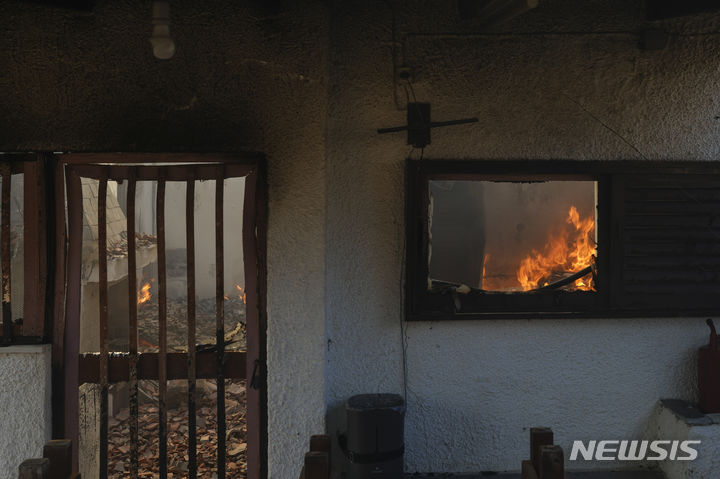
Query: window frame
{"points": [[34, 327], [424, 305]]}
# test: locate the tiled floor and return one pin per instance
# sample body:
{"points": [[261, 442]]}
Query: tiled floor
{"points": [[570, 475]]}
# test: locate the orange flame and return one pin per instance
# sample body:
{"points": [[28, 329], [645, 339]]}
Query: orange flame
{"points": [[564, 252], [242, 295], [144, 294]]}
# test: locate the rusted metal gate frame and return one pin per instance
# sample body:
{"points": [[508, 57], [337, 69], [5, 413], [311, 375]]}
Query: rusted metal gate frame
{"points": [[67, 371], [35, 327]]}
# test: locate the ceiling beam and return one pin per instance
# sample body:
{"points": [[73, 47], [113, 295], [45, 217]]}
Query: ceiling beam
{"points": [[664, 9]]}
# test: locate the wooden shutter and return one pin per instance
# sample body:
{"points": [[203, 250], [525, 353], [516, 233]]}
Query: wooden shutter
{"points": [[667, 256]]}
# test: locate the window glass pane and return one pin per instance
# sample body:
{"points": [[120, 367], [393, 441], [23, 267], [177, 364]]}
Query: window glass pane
{"points": [[146, 264], [17, 246], [89, 292], [513, 236], [234, 267]]}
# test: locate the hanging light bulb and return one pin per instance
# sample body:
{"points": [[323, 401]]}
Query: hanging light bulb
{"points": [[163, 45]]}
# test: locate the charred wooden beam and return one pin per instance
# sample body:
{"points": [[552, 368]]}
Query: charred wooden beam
{"points": [[162, 320], [552, 462], [59, 453], [567, 280], [103, 303], [663, 9], [34, 469], [71, 337], [192, 340], [151, 173], [147, 366], [34, 249], [539, 438], [132, 331], [220, 320], [317, 465], [490, 12]]}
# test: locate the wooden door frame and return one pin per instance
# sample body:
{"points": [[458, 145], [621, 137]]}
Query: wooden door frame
{"points": [[67, 292]]}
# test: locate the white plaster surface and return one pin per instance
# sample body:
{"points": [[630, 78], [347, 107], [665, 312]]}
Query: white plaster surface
{"points": [[475, 387], [666, 425], [309, 87], [25, 421]]}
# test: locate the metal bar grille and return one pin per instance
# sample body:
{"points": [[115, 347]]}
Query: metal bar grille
{"points": [[133, 335], [71, 338], [5, 247], [103, 368], [168, 173], [147, 366], [162, 319], [104, 350], [253, 283], [190, 261], [220, 322]]}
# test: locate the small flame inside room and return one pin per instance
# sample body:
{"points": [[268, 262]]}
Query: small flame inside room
{"points": [[513, 236]]}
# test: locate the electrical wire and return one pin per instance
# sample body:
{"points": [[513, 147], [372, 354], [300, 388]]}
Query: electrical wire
{"points": [[412, 90], [607, 127], [401, 289]]}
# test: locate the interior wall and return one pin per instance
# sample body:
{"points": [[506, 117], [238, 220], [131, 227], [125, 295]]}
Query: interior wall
{"points": [[246, 76], [258, 78], [25, 398], [565, 81]]}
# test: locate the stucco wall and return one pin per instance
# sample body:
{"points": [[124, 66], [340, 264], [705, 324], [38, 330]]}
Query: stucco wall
{"points": [[667, 424], [25, 424], [308, 85], [474, 387], [247, 76]]}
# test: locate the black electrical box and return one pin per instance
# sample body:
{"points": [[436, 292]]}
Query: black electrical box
{"points": [[375, 436]]}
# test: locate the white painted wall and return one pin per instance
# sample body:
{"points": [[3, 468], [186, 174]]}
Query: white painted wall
{"points": [[309, 87], [665, 424], [25, 422], [475, 387]]}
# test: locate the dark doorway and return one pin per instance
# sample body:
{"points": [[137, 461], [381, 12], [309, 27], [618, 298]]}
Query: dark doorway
{"points": [[157, 363]]}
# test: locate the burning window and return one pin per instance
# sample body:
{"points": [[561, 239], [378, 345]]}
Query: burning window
{"points": [[501, 236], [538, 239]]}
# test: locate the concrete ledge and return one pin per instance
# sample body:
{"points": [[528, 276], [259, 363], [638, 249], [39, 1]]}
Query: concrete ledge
{"points": [[675, 419], [26, 349], [689, 413]]}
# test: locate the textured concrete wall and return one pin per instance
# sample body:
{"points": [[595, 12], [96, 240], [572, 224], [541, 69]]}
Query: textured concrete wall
{"points": [[666, 424], [540, 91], [25, 424], [245, 77], [309, 86]]}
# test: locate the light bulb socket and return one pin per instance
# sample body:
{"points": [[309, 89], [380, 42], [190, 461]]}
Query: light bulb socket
{"points": [[163, 44], [161, 13]]}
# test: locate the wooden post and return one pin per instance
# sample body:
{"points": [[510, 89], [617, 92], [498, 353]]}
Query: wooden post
{"points": [[34, 469], [539, 437], [552, 463], [316, 465], [528, 471], [35, 250], [321, 443], [59, 453]]}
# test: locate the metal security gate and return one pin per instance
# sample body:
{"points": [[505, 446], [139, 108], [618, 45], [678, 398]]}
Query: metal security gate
{"points": [[106, 367]]}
